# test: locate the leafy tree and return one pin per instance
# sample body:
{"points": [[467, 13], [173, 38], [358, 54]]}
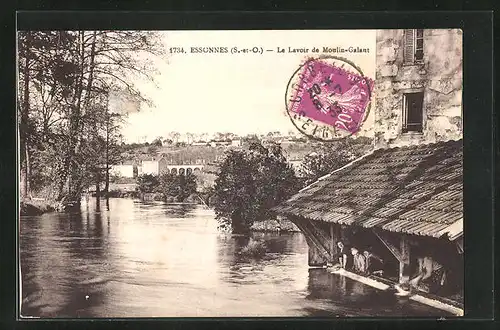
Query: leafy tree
{"points": [[332, 155], [187, 186], [148, 183], [179, 186], [169, 184], [157, 142], [113, 143], [251, 182]]}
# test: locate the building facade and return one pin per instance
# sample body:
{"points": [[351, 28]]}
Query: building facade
{"points": [[418, 86], [122, 170], [150, 167]]}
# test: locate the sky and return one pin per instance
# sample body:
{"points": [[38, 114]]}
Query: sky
{"points": [[238, 93]]}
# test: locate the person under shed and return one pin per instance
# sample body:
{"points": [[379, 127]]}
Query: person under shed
{"points": [[344, 256], [359, 261], [430, 275], [374, 263]]}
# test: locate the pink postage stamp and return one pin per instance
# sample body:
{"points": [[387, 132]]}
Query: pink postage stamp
{"points": [[331, 91]]}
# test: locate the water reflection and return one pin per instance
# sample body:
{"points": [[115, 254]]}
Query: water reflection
{"points": [[151, 259]]}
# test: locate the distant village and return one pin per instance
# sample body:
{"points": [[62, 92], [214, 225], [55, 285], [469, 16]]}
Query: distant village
{"points": [[178, 153]]}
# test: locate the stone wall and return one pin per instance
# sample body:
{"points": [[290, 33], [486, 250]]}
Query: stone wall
{"points": [[439, 77]]}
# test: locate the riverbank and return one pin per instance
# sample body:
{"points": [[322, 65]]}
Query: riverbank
{"points": [[37, 207]]}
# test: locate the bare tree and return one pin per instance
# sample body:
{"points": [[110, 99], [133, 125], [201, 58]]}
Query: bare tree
{"points": [[73, 70]]}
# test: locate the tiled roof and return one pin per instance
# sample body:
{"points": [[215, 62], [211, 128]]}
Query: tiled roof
{"points": [[415, 190]]}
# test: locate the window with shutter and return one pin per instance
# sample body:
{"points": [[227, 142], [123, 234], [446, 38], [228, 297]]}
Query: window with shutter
{"points": [[413, 45], [408, 46], [419, 45]]}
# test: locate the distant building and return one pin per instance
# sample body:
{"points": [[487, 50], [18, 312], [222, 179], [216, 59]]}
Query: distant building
{"points": [[215, 143], [164, 165], [122, 170], [150, 167], [236, 143]]}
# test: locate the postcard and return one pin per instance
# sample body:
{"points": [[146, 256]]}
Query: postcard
{"points": [[240, 173]]}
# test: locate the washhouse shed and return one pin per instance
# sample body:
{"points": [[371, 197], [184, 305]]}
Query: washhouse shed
{"points": [[401, 202]]}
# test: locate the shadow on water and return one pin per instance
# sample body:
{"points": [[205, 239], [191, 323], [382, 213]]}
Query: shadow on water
{"points": [[70, 246]]}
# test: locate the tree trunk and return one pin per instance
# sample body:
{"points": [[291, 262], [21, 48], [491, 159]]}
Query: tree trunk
{"points": [[24, 125], [98, 189], [239, 225], [106, 185], [76, 125], [28, 172], [106, 189]]}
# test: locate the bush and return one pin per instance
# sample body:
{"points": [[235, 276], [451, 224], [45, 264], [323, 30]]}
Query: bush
{"points": [[148, 183], [34, 207], [254, 248]]}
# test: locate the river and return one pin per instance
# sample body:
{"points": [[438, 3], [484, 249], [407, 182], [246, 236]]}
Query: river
{"points": [[157, 260]]}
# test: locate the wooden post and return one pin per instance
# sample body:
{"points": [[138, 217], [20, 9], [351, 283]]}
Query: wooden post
{"points": [[332, 242], [402, 254], [334, 239], [404, 262]]}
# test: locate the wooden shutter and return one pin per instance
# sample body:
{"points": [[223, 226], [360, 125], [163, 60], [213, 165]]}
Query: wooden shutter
{"points": [[409, 42], [419, 45]]}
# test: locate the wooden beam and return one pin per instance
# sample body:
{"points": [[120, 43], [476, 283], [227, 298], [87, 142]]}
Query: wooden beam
{"points": [[321, 233], [323, 238], [405, 249], [394, 250], [335, 237], [318, 242], [402, 254], [332, 238], [310, 237], [405, 260]]}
